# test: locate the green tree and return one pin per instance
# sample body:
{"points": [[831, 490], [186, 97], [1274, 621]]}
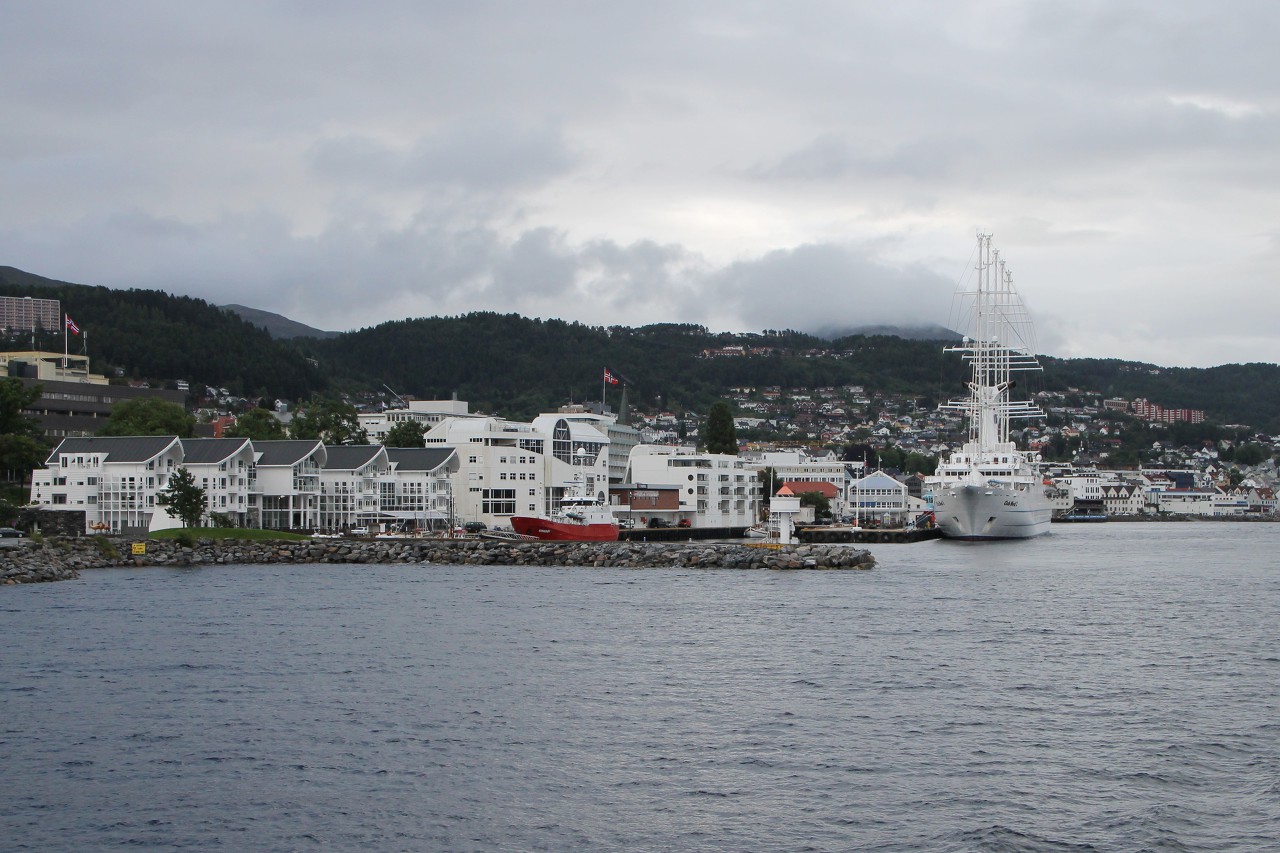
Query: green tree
{"points": [[149, 416], [720, 435], [184, 498], [821, 504], [22, 444], [406, 434], [1250, 454], [330, 421], [258, 425]]}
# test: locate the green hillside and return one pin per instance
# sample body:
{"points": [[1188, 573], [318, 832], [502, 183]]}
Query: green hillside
{"points": [[516, 366], [148, 334]]}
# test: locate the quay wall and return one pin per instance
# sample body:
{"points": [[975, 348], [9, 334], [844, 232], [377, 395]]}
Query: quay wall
{"points": [[64, 559]]}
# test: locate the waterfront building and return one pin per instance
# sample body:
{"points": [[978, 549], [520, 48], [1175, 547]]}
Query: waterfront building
{"points": [[223, 467], [621, 437], [350, 478], [511, 468], [112, 480], [800, 466], [417, 493], [881, 500], [716, 489], [287, 492]]}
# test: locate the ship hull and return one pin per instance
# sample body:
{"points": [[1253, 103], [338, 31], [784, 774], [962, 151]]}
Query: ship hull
{"points": [[988, 512], [561, 531]]}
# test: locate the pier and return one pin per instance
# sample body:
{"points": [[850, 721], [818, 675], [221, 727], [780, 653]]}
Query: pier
{"points": [[863, 536]]}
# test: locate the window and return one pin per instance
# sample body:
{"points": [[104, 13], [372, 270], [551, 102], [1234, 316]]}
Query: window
{"points": [[59, 499], [499, 501]]}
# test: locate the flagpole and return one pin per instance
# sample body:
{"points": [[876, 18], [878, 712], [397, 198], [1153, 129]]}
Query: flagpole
{"points": [[64, 344], [602, 386]]}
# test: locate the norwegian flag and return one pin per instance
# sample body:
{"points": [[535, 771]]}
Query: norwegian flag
{"points": [[609, 377], [71, 324]]}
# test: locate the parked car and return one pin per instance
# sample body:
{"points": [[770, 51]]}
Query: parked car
{"points": [[475, 526], [9, 537], [659, 522], [684, 522]]}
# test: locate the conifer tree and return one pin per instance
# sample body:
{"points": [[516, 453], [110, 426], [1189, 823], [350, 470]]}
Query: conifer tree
{"points": [[721, 437], [184, 498]]}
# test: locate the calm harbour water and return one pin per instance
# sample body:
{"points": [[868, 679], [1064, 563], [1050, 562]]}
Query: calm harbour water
{"points": [[1106, 687]]}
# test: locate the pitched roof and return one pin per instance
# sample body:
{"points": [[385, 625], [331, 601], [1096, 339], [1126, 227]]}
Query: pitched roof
{"points": [[799, 487], [115, 448], [348, 457], [419, 458], [284, 452], [207, 451]]}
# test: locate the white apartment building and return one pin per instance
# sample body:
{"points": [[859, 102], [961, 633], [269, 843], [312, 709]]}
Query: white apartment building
{"points": [[417, 494], [223, 467], [273, 484], [114, 480], [716, 489], [288, 484], [350, 485]]}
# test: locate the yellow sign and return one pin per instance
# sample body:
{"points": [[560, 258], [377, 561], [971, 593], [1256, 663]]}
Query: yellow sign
{"points": [[139, 547]]}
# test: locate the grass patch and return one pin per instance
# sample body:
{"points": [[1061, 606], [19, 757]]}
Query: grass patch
{"points": [[247, 533]]}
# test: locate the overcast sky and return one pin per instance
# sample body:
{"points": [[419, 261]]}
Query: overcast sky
{"points": [[807, 165]]}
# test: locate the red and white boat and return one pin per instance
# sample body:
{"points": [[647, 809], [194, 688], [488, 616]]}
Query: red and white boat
{"points": [[581, 518]]}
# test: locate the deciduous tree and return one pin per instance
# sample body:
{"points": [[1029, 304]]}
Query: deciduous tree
{"points": [[149, 416], [258, 425], [405, 434]]}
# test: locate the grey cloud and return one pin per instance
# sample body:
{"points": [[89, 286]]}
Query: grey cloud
{"points": [[816, 287], [746, 166], [485, 155]]}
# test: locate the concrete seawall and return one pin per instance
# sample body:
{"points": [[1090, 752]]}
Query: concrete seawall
{"points": [[63, 559]]}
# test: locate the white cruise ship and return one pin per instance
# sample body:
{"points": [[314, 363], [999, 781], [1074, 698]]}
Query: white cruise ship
{"points": [[989, 489]]}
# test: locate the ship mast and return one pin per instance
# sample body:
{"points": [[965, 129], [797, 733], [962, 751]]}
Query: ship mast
{"points": [[1000, 346]]}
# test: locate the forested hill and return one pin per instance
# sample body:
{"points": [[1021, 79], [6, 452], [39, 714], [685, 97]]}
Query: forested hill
{"points": [[149, 334], [516, 366]]}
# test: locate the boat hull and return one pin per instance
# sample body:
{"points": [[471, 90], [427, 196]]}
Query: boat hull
{"points": [[562, 531], [991, 512]]}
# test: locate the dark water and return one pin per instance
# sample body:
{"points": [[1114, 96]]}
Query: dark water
{"points": [[1107, 687]]}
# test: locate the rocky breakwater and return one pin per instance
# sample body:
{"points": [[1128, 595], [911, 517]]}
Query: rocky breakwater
{"points": [[62, 560], [29, 561]]}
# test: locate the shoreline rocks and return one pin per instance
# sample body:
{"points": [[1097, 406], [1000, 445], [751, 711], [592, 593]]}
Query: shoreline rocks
{"points": [[64, 559]]}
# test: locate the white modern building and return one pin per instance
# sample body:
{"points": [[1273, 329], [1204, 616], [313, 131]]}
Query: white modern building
{"points": [[350, 485], [426, 413], [417, 494], [223, 467], [586, 424], [511, 468], [288, 484], [716, 489], [114, 480]]}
